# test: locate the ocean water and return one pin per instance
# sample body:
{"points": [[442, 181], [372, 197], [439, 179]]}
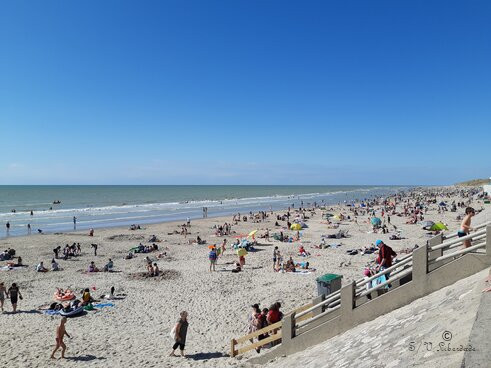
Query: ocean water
{"points": [[119, 205]]}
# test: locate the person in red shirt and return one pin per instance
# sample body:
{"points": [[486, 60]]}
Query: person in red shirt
{"points": [[274, 315], [385, 255]]}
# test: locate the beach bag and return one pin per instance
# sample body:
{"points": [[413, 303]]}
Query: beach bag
{"points": [[172, 333]]}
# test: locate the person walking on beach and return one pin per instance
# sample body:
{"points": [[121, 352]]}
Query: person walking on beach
{"points": [[14, 294], [465, 226], [60, 334], [74, 223], [3, 293], [180, 332], [276, 253]]}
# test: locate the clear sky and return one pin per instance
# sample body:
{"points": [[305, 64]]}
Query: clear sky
{"points": [[244, 92]]}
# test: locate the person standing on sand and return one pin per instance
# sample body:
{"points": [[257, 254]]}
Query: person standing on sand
{"points": [[275, 257], [224, 243], [465, 226], [60, 334], [212, 256], [180, 333], [3, 293], [14, 294]]}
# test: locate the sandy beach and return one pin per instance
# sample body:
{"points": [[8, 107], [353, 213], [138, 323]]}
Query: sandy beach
{"points": [[135, 329]]}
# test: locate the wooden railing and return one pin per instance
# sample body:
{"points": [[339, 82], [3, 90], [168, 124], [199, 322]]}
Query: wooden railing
{"points": [[273, 330]]}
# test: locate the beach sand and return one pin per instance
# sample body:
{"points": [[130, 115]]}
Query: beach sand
{"points": [[135, 331]]}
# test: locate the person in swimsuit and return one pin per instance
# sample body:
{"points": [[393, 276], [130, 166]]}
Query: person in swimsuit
{"points": [[14, 293], [465, 226], [60, 334], [3, 292]]}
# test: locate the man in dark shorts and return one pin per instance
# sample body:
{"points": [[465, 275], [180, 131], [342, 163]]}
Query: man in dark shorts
{"points": [[14, 293], [465, 226]]}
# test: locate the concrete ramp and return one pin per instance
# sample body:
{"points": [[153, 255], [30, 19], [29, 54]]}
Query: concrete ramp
{"points": [[429, 332]]}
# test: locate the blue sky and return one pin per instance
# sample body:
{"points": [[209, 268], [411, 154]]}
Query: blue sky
{"points": [[244, 92]]}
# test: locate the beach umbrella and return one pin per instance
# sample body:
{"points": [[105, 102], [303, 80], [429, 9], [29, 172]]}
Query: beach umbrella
{"points": [[375, 221], [327, 215], [252, 233], [427, 224], [296, 227], [211, 246], [241, 252], [443, 204], [438, 226]]}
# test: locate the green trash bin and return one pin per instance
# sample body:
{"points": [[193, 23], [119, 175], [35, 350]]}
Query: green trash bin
{"points": [[328, 283]]}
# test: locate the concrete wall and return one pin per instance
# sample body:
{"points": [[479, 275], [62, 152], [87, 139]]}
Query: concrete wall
{"points": [[424, 282]]}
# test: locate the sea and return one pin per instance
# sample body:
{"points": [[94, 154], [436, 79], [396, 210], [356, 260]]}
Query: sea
{"points": [[95, 206]]}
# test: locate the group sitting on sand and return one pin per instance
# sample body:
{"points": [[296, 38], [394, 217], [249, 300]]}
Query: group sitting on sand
{"points": [[152, 268], [7, 254]]}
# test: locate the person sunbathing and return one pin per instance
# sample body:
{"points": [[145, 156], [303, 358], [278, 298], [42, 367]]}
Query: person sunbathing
{"points": [[40, 267], [54, 265], [302, 265], [86, 297], [92, 267], [109, 266], [150, 269], [156, 271], [290, 265], [302, 252]]}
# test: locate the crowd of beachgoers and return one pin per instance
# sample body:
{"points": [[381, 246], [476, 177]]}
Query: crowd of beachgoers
{"points": [[157, 282]]}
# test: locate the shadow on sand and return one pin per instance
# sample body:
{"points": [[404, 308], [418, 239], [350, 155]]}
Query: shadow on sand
{"points": [[32, 311], [206, 356], [84, 358]]}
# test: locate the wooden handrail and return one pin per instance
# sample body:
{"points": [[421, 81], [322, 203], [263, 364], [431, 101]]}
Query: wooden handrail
{"points": [[260, 343], [262, 331]]}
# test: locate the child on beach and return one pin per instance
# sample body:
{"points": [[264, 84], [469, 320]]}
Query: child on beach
{"points": [[465, 226], [212, 256], [60, 334], [180, 333]]}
